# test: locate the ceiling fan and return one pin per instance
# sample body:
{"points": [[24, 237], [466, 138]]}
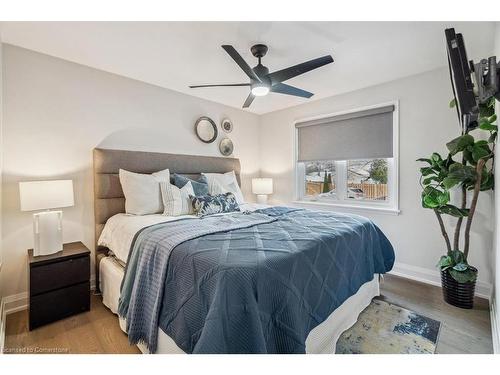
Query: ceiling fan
{"points": [[262, 82]]}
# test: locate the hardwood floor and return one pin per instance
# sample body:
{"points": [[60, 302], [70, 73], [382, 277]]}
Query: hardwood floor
{"points": [[97, 331], [462, 331]]}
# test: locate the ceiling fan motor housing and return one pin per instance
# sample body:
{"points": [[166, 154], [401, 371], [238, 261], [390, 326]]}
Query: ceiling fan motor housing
{"points": [[259, 50]]}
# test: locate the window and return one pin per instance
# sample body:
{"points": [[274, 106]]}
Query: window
{"points": [[367, 179], [320, 179], [349, 159]]}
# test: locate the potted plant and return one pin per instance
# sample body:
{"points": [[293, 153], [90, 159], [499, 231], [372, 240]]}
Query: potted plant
{"points": [[468, 168]]}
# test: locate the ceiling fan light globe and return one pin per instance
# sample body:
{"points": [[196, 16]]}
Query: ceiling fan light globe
{"points": [[260, 90]]}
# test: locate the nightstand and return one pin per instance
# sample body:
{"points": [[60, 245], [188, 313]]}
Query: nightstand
{"points": [[59, 284]]}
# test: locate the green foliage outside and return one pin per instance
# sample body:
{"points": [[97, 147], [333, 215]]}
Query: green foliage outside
{"points": [[378, 171], [326, 185]]}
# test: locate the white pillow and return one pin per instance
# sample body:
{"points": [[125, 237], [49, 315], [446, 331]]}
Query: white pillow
{"points": [[229, 183], [215, 187], [142, 191], [176, 201]]}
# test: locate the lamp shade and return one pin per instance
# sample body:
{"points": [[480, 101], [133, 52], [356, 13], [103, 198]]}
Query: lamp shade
{"points": [[43, 195], [262, 185]]}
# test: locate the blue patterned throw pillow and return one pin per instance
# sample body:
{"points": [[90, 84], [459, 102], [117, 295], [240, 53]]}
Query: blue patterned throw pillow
{"points": [[200, 186], [214, 204]]}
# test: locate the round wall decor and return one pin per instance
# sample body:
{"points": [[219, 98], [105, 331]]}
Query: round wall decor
{"points": [[226, 147], [205, 129], [226, 125]]}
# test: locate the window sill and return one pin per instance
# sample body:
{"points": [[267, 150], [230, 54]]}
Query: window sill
{"points": [[374, 209]]}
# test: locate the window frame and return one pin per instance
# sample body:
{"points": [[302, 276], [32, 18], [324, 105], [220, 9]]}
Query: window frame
{"points": [[389, 206]]}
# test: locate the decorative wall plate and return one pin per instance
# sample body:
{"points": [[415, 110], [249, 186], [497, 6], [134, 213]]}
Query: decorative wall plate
{"points": [[226, 125], [205, 129], [226, 147]]}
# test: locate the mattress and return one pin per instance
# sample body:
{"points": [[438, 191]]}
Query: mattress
{"points": [[321, 340]]}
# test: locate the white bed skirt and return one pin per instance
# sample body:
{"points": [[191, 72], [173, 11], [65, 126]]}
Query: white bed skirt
{"points": [[321, 340]]}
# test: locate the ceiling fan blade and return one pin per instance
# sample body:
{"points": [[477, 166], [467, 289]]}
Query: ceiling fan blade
{"points": [[221, 85], [242, 63], [282, 88], [249, 100], [294, 71]]}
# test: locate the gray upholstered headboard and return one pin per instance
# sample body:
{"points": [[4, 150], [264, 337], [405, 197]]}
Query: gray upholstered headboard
{"points": [[108, 194]]}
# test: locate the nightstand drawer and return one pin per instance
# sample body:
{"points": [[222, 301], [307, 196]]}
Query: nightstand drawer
{"points": [[49, 307], [47, 277]]}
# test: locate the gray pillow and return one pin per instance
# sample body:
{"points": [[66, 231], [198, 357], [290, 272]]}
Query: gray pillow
{"points": [[200, 186]]}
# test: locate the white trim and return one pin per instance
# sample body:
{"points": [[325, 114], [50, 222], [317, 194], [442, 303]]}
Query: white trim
{"points": [[2, 336], [393, 204], [2, 327], [382, 209], [10, 305], [495, 326], [432, 277], [15, 303]]}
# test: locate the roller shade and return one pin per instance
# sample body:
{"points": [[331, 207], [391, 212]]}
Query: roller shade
{"points": [[359, 135]]}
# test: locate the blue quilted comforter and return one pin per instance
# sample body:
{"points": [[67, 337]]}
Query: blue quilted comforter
{"points": [[259, 286]]}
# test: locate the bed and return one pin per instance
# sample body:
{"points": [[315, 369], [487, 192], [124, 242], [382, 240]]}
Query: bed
{"points": [[327, 318]]}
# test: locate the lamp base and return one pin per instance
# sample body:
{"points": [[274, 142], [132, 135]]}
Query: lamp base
{"points": [[47, 229], [262, 198]]}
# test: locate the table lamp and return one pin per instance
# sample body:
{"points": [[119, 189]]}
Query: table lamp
{"points": [[262, 187], [47, 225]]}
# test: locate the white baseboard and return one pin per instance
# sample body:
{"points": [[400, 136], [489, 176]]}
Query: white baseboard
{"points": [[495, 326], [15, 303], [10, 305], [433, 277], [2, 327]]}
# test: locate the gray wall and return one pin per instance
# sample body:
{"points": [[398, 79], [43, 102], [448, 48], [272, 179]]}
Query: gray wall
{"points": [[56, 112], [426, 124]]}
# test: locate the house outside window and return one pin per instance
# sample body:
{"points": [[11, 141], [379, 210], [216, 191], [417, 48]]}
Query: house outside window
{"points": [[349, 159]]}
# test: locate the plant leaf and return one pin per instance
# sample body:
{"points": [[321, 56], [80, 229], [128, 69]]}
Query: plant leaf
{"points": [[460, 143], [434, 198], [488, 126], [488, 182], [435, 157], [460, 267], [492, 137], [480, 150], [428, 180], [426, 171], [445, 260], [459, 174], [487, 109], [457, 257], [452, 210], [463, 276], [453, 103], [468, 156]]}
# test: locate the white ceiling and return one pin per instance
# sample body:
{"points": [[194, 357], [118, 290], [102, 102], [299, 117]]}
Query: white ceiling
{"points": [[176, 54]]}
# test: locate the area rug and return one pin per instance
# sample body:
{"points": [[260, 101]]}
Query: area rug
{"points": [[383, 328]]}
